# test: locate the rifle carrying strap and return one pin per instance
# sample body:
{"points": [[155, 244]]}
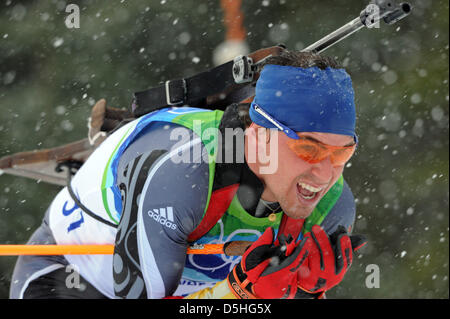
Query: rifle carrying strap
{"points": [[72, 166], [191, 91], [231, 82]]}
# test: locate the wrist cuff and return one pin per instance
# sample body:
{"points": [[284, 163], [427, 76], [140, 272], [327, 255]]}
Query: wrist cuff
{"points": [[238, 287], [303, 293]]}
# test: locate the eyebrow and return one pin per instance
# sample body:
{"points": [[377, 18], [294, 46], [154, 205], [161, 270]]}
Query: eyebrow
{"points": [[316, 140]]}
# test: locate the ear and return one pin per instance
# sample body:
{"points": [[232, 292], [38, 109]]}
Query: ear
{"points": [[251, 143], [258, 136], [252, 132], [261, 134], [253, 126]]}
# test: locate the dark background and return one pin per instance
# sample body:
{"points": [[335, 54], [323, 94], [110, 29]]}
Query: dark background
{"points": [[50, 76]]}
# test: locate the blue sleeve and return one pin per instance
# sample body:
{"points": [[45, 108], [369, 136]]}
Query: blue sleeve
{"points": [[343, 212], [164, 187]]}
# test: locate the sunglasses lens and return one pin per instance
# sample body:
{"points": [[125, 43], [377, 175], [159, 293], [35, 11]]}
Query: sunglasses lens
{"points": [[342, 156], [313, 152], [306, 150]]}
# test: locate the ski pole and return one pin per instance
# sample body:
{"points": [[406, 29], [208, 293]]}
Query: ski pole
{"points": [[234, 248]]}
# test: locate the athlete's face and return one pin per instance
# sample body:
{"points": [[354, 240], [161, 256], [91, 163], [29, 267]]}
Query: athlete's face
{"points": [[296, 184]]}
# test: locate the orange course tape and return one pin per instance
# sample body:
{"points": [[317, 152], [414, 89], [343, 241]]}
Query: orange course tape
{"points": [[16, 250]]}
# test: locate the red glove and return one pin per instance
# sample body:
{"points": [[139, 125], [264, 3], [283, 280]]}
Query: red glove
{"points": [[329, 258], [268, 271]]}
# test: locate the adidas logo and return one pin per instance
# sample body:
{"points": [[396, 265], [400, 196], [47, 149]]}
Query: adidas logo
{"points": [[164, 216]]}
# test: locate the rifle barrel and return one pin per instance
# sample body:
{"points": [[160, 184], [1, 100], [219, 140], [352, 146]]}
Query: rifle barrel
{"points": [[372, 15], [336, 36]]}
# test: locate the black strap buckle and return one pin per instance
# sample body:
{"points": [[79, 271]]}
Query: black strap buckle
{"points": [[175, 92], [243, 70]]}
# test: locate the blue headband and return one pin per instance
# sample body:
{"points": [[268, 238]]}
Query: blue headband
{"points": [[295, 99]]}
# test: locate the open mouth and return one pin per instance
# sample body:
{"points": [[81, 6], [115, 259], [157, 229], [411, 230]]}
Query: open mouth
{"points": [[307, 192]]}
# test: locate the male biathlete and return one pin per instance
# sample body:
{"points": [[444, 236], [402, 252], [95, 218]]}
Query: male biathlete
{"points": [[172, 178]]}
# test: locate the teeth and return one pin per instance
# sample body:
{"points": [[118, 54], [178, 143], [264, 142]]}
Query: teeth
{"points": [[310, 188], [308, 197]]}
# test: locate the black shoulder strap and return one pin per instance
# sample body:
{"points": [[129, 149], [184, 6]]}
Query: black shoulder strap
{"points": [[231, 82], [72, 166], [192, 91]]}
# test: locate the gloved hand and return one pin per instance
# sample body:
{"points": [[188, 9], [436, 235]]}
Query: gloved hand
{"points": [[269, 271], [329, 258]]}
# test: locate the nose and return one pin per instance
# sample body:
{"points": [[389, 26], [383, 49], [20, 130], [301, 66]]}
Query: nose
{"points": [[323, 170]]}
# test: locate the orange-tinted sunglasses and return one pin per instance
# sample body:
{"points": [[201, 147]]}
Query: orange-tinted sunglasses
{"points": [[313, 151]]}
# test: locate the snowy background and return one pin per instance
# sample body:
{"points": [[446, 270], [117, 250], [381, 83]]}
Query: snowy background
{"points": [[50, 76]]}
